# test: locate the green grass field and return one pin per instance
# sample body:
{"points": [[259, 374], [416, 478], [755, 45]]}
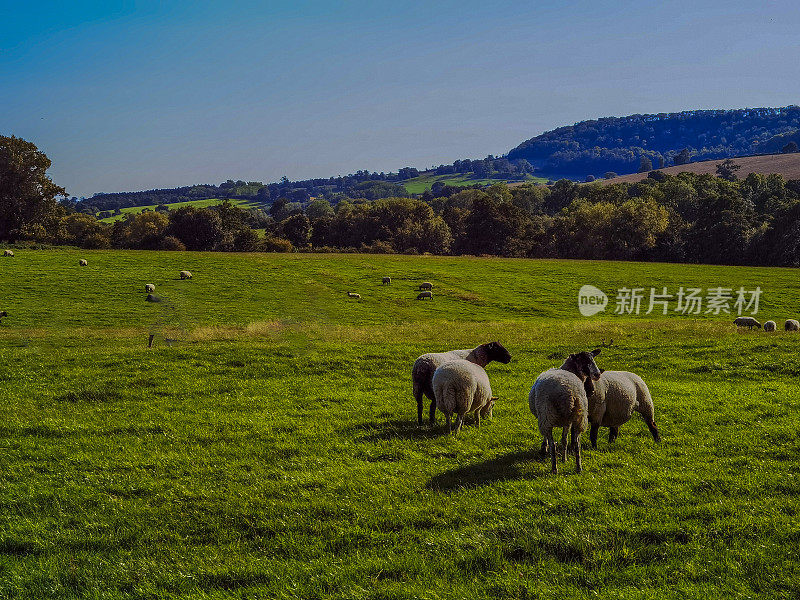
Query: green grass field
{"points": [[176, 205], [272, 450], [417, 185]]}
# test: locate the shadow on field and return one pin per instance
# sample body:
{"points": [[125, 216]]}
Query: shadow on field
{"points": [[503, 468], [399, 429]]}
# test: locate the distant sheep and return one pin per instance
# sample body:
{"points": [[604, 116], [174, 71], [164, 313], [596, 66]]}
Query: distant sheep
{"points": [[83, 262], [8, 253], [792, 325], [3, 314], [770, 326], [423, 295], [748, 322], [186, 275], [612, 401], [354, 295], [149, 287], [461, 387], [558, 399], [425, 366], [387, 280], [425, 285]]}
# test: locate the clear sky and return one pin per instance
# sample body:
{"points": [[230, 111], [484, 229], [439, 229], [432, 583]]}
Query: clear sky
{"points": [[137, 95]]}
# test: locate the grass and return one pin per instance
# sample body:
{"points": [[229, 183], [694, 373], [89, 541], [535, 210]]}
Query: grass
{"points": [[206, 202], [417, 185], [272, 451]]}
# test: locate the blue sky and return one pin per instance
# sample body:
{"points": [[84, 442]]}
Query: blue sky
{"points": [[138, 95]]}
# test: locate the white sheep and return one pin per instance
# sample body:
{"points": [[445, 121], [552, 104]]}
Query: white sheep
{"points": [[462, 387], [83, 262], [423, 295], [558, 399], [612, 401], [8, 253], [425, 285], [354, 295], [149, 287], [770, 326], [748, 322], [425, 366], [387, 280], [792, 325], [186, 275]]}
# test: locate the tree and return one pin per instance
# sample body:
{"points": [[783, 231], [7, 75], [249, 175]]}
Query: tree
{"points": [[297, 229], [27, 194], [609, 175], [197, 229], [319, 209], [645, 165], [727, 170], [790, 148], [683, 157]]}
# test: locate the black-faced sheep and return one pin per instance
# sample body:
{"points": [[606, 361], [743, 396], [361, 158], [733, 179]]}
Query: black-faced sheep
{"points": [[461, 387], [748, 322], [424, 295], [149, 287], [8, 253], [83, 262], [426, 285], [3, 314], [612, 401], [770, 326], [792, 325], [186, 275], [387, 280], [354, 295], [558, 399], [425, 366]]}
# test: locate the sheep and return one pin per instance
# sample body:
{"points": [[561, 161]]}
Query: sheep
{"points": [[387, 280], [461, 387], [423, 295], [354, 295], [149, 287], [558, 399], [425, 366], [8, 253], [792, 325], [613, 399], [425, 285], [770, 326], [186, 275], [748, 322], [83, 262], [3, 314]]}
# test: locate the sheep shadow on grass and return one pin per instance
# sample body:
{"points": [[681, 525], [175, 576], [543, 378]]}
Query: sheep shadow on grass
{"points": [[501, 468], [398, 429]]}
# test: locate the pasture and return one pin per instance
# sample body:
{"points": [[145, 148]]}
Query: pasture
{"points": [[204, 203], [271, 450], [417, 185]]}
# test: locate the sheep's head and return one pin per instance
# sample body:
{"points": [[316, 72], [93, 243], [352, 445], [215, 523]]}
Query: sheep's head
{"points": [[496, 351], [3, 313], [583, 365]]}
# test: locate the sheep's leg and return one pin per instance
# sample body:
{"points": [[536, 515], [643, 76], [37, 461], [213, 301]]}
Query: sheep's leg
{"points": [[432, 413], [543, 450], [651, 425], [478, 419], [576, 443], [593, 434], [459, 422], [613, 432], [551, 442], [449, 428], [418, 397], [563, 449]]}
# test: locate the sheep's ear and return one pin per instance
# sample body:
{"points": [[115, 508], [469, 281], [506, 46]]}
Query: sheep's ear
{"points": [[602, 371], [595, 352]]}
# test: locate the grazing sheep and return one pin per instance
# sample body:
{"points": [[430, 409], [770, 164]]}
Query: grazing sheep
{"points": [[8, 253], [770, 326], [354, 295], [558, 399], [614, 398], [387, 280], [83, 262], [426, 285], [461, 387], [423, 295], [3, 314], [186, 275], [748, 322], [425, 366], [149, 287], [792, 325]]}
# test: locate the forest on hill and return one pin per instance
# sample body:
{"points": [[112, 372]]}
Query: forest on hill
{"points": [[643, 142]]}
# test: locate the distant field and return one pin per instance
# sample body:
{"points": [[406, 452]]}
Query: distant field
{"points": [[175, 205], [787, 165], [272, 450], [417, 185]]}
